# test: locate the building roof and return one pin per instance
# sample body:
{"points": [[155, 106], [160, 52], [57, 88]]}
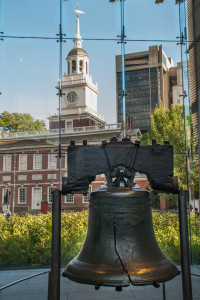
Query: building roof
{"points": [[40, 140], [77, 51], [23, 144]]}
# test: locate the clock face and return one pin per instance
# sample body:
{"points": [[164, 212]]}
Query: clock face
{"points": [[72, 97]]}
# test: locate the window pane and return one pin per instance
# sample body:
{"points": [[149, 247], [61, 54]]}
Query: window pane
{"points": [[23, 162], [22, 195], [50, 194], [69, 198], [7, 163], [6, 195], [52, 161], [37, 161], [87, 197]]}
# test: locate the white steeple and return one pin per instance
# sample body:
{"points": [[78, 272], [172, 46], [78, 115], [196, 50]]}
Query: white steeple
{"points": [[79, 100], [77, 59], [77, 40]]}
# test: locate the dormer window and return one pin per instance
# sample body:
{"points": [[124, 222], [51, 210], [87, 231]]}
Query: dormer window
{"points": [[81, 66], [73, 66]]}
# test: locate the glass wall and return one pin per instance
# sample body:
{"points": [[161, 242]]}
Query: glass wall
{"points": [[61, 81]]}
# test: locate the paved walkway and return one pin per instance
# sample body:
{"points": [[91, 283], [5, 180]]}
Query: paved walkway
{"points": [[37, 288]]}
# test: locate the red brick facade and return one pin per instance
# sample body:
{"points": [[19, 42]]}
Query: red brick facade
{"points": [[41, 180], [83, 122]]}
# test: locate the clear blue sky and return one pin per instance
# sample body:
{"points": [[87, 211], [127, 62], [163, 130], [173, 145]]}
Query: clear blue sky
{"points": [[29, 68]]}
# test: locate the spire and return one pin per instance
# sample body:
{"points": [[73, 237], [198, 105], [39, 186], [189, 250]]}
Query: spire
{"points": [[77, 40]]}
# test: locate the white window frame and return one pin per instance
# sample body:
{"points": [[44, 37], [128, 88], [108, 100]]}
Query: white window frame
{"points": [[4, 193], [69, 122], [66, 157], [86, 198], [50, 197], [37, 165], [23, 164], [38, 205], [69, 198], [25, 195], [52, 161], [7, 161]]}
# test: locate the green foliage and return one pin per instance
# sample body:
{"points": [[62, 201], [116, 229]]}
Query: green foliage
{"points": [[26, 240], [166, 228], [168, 125], [19, 122], [73, 233], [173, 200], [196, 180], [155, 200]]}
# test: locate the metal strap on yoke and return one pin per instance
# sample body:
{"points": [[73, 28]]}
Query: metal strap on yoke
{"points": [[134, 155]]}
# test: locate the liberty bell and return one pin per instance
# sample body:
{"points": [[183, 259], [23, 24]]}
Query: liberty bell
{"points": [[120, 247]]}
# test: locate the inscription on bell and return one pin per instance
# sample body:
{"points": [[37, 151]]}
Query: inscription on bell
{"points": [[122, 220]]}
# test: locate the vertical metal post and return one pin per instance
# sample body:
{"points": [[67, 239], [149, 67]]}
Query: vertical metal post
{"points": [[60, 95], [164, 291], [54, 275], [123, 68], [184, 245], [14, 182]]}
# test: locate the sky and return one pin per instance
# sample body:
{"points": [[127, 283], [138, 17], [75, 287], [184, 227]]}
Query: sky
{"points": [[29, 68]]}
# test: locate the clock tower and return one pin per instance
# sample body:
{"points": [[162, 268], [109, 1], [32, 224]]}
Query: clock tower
{"points": [[79, 102]]}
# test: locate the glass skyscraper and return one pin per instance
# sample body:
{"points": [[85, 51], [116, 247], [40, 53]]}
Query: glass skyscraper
{"points": [[194, 67], [147, 82]]}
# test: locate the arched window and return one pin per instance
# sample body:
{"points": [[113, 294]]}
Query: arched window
{"points": [[73, 66], [68, 67], [86, 67], [81, 66]]}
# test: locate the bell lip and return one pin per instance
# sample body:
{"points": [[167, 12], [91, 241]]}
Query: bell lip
{"points": [[96, 282], [160, 279], [126, 279], [130, 281]]}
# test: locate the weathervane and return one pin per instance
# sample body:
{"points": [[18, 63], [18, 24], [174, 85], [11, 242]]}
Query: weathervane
{"points": [[78, 11]]}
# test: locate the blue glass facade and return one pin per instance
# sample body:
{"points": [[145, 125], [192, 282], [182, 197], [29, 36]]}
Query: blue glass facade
{"points": [[141, 95]]}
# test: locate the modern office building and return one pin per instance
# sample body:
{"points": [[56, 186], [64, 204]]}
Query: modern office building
{"points": [[150, 78], [193, 7]]}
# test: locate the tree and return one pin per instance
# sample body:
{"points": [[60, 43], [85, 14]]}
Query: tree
{"points": [[20, 122], [168, 125]]}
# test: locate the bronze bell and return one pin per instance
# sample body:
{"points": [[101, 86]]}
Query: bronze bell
{"points": [[120, 247]]}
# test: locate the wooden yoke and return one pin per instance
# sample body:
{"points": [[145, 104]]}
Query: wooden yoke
{"points": [[87, 161]]}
